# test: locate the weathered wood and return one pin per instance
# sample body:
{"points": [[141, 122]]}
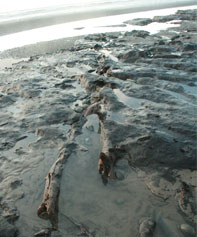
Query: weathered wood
{"points": [[106, 167], [48, 209]]}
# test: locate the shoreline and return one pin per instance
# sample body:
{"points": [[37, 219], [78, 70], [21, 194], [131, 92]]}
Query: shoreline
{"points": [[20, 25], [42, 45]]}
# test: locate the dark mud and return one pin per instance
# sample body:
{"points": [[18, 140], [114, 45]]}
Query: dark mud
{"points": [[130, 95]]}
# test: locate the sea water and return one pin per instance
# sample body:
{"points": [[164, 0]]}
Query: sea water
{"points": [[21, 9]]}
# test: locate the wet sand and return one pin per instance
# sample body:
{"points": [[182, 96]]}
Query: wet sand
{"points": [[37, 49]]}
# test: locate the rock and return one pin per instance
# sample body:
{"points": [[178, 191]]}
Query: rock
{"points": [[6, 100], [10, 138], [91, 82], [188, 26], [139, 21], [165, 18], [9, 212], [187, 176], [59, 115], [108, 97], [138, 33], [133, 55], [168, 227], [147, 226], [185, 228], [189, 15], [6, 229], [159, 186], [78, 28], [96, 37], [97, 46], [15, 182], [189, 46], [64, 85], [185, 198]]}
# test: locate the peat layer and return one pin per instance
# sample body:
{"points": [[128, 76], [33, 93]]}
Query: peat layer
{"points": [[100, 139]]}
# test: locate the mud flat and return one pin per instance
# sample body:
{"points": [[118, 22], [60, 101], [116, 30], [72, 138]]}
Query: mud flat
{"points": [[130, 95]]}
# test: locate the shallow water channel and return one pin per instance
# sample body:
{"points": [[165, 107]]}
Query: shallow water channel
{"points": [[111, 210]]}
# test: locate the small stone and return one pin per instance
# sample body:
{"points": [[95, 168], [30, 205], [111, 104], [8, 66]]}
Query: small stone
{"points": [[146, 227], [15, 182], [10, 212], [139, 21], [187, 229]]}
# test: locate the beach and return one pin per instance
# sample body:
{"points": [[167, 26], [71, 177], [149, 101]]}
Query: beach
{"points": [[76, 22], [127, 94], [80, 10]]}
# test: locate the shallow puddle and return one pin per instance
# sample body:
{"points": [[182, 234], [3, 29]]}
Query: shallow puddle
{"points": [[16, 108], [33, 187], [131, 102], [116, 116], [30, 162], [107, 210]]}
